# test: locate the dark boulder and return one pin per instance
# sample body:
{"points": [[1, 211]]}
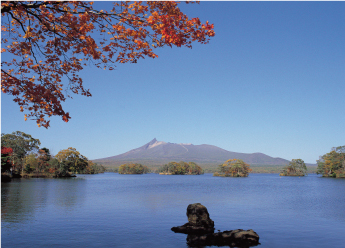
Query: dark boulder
{"points": [[199, 221], [233, 238], [200, 230]]}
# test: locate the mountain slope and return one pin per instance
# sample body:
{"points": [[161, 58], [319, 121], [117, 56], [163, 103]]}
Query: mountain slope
{"points": [[160, 152]]}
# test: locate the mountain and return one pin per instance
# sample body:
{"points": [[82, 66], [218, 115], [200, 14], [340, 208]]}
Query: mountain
{"points": [[160, 152]]}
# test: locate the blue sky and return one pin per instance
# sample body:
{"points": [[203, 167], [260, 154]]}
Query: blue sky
{"points": [[270, 81]]}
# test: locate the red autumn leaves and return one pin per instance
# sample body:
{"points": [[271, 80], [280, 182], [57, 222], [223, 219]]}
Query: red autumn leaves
{"points": [[48, 43]]}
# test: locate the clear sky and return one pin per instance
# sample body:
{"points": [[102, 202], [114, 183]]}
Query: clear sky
{"points": [[272, 80]]}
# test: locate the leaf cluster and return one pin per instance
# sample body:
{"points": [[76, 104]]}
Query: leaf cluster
{"points": [[6, 164], [48, 43]]}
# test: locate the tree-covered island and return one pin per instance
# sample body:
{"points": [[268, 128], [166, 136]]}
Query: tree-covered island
{"points": [[332, 164], [296, 167], [131, 168], [180, 168], [21, 156], [233, 168]]}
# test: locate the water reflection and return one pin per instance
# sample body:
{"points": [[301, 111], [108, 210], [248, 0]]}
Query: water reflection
{"points": [[19, 203], [68, 193], [111, 210], [22, 199]]}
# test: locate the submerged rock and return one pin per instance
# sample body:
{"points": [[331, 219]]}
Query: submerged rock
{"points": [[237, 238], [200, 230], [199, 221]]}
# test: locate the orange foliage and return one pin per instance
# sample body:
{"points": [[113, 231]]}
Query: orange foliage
{"points": [[49, 42]]}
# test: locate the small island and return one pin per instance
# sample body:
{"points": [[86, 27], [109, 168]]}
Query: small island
{"points": [[332, 164], [181, 168], [233, 168], [296, 168], [131, 168]]}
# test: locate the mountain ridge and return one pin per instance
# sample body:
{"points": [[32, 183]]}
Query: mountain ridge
{"points": [[159, 152]]}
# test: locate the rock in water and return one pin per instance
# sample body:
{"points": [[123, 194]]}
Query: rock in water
{"points": [[198, 216], [199, 221], [200, 230], [233, 238]]}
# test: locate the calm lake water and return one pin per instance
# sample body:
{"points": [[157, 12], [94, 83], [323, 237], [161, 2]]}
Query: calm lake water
{"points": [[112, 210]]}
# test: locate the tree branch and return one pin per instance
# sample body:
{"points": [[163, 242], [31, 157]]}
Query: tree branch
{"points": [[21, 24]]}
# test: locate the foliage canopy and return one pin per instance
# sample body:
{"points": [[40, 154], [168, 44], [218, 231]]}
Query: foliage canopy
{"points": [[50, 42], [332, 164], [6, 164], [23, 155], [73, 159], [22, 144]]}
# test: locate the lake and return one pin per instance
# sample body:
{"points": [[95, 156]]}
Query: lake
{"points": [[112, 210]]}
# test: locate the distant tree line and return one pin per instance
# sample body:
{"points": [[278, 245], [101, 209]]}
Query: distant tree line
{"points": [[131, 168], [233, 168], [22, 156], [180, 168]]}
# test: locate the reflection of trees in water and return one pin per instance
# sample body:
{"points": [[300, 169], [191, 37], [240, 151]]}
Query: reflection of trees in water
{"points": [[21, 199], [67, 192]]}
